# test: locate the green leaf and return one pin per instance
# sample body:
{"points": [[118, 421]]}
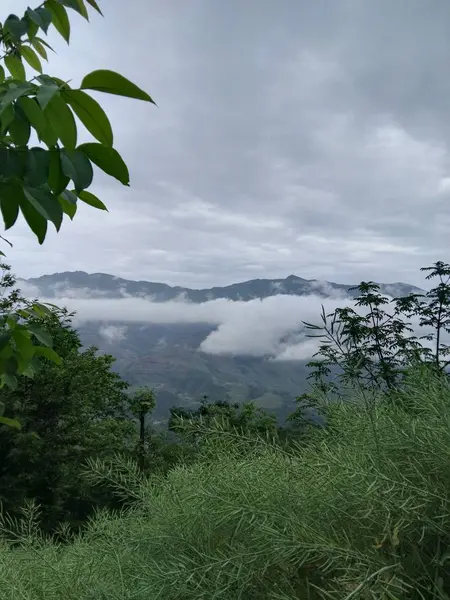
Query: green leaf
{"points": [[70, 196], [32, 58], [41, 17], [63, 121], [69, 208], [23, 343], [20, 131], [42, 310], [34, 114], [113, 83], [92, 200], [108, 159], [49, 136], [32, 28], [24, 312], [11, 382], [38, 46], [48, 353], [30, 370], [46, 18], [7, 118], [9, 366], [4, 340], [37, 167], [63, 85], [13, 94], [9, 204], [57, 180], [44, 43], [15, 27], [91, 114], [59, 18], [77, 5], [11, 320], [36, 222], [9, 363], [95, 6], [41, 335], [83, 9], [77, 166], [34, 16], [2, 74], [11, 163], [46, 204], [45, 93], [15, 67]]}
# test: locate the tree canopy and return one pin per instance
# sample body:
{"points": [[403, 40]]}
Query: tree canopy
{"points": [[69, 412]]}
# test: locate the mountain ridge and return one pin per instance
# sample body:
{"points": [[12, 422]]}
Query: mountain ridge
{"points": [[107, 285]]}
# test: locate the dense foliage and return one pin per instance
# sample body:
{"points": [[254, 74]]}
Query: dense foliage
{"points": [[68, 414], [362, 511], [23, 340]]}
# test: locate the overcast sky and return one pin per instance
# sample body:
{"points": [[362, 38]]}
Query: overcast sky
{"points": [[296, 136]]}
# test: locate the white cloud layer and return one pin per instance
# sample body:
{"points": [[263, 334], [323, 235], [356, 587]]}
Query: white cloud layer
{"points": [[271, 327], [267, 327]]}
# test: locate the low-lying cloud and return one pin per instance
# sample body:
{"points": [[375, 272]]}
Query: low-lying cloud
{"points": [[113, 333], [267, 327], [270, 327]]}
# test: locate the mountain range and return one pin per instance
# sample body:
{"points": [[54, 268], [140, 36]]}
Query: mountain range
{"points": [[170, 357], [104, 285]]}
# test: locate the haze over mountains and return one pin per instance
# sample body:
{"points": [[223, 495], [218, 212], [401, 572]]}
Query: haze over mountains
{"points": [[240, 342], [109, 286]]}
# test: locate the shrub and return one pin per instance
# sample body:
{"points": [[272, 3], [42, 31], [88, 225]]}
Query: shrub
{"points": [[360, 512]]}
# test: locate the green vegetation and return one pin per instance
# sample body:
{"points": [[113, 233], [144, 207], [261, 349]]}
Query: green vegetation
{"points": [[225, 503], [372, 349], [98, 502], [361, 511], [44, 172], [68, 413]]}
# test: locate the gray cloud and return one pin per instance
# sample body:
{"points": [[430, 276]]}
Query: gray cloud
{"points": [[297, 136]]}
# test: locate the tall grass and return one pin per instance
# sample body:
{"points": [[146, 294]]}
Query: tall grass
{"points": [[361, 511]]}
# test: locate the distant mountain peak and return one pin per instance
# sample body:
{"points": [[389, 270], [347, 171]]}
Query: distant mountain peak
{"points": [[293, 277], [111, 286]]}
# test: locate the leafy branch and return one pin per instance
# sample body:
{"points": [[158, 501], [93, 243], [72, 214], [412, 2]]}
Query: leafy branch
{"points": [[45, 181]]}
